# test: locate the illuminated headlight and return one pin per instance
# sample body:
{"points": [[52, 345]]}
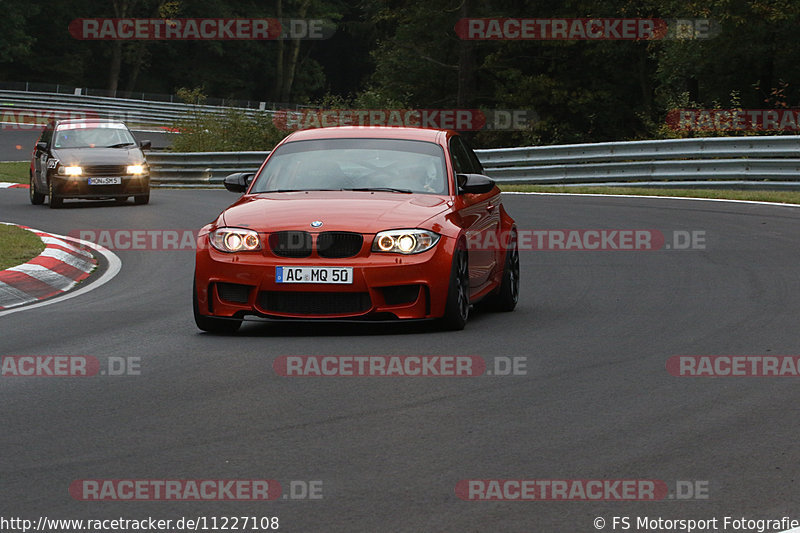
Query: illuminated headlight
{"points": [[70, 170], [404, 241], [135, 169], [235, 240]]}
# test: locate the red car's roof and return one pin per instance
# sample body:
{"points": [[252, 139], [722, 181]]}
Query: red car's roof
{"points": [[369, 132]]}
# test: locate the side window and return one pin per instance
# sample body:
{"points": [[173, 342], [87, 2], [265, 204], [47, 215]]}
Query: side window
{"points": [[476, 163], [461, 160], [47, 135]]}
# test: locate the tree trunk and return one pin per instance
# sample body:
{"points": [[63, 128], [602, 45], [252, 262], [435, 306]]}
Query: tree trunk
{"points": [[116, 66], [466, 66], [291, 65], [276, 91], [120, 11], [141, 49]]}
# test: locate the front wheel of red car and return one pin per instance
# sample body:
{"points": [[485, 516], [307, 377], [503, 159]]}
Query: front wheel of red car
{"points": [[457, 308], [224, 326]]}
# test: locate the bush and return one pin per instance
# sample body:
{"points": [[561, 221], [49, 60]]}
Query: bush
{"points": [[232, 131]]}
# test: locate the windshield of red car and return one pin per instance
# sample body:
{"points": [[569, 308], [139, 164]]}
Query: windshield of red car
{"points": [[336, 164]]}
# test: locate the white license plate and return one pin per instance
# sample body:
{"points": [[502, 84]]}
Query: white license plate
{"points": [[105, 181], [338, 275]]}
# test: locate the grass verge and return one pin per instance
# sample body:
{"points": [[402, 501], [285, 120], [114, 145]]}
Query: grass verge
{"points": [[17, 246], [788, 197], [14, 172]]}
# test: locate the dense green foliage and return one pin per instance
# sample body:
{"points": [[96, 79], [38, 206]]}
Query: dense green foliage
{"points": [[232, 131], [406, 54]]}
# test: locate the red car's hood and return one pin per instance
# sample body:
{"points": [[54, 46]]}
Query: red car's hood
{"points": [[362, 212]]}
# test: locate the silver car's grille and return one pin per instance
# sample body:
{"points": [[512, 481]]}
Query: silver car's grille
{"points": [[105, 170]]}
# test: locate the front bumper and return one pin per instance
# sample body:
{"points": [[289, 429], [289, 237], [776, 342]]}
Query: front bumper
{"points": [[385, 286], [78, 187]]}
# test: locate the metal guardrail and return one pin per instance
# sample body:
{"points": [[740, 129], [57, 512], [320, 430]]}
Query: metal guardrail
{"points": [[758, 161], [200, 169], [136, 113], [58, 88]]}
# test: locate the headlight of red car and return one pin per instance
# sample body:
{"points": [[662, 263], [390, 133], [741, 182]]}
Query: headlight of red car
{"points": [[404, 241], [235, 240]]}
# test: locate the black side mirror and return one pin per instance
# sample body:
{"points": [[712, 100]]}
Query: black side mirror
{"points": [[145, 144], [41, 146], [238, 182], [474, 183]]}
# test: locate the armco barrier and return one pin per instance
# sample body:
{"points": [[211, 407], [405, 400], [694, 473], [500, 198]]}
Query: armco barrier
{"points": [[756, 161], [200, 168], [136, 113]]}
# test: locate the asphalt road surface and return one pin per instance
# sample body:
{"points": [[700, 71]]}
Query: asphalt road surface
{"points": [[596, 329]]}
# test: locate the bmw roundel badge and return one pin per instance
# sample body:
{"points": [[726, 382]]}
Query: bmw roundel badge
{"points": [[316, 224]]}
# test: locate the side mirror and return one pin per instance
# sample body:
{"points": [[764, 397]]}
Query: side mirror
{"points": [[144, 145], [474, 183], [238, 182], [41, 146]]}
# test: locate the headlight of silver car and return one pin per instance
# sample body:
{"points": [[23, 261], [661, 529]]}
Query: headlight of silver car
{"points": [[70, 170], [235, 240], [137, 170], [404, 241]]}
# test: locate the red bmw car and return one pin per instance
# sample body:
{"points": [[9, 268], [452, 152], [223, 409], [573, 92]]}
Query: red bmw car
{"points": [[346, 223]]}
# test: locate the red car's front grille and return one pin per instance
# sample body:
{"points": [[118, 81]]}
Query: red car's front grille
{"points": [[314, 303], [290, 243], [330, 244], [339, 244]]}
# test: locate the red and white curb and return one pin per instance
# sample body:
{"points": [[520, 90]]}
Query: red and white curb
{"points": [[60, 267], [4, 185]]}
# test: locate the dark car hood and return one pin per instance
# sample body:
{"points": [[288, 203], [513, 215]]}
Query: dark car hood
{"points": [[99, 156], [363, 212]]}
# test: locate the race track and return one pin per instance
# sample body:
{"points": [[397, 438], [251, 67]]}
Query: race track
{"points": [[596, 329]]}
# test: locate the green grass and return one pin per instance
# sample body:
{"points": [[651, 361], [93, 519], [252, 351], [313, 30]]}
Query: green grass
{"points": [[14, 172], [788, 197], [17, 246]]}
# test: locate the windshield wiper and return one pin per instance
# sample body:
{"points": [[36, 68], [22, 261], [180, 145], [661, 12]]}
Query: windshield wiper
{"points": [[383, 189], [294, 190], [119, 145]]}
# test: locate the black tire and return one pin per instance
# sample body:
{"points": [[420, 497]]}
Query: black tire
{"points": [[507, 295], [36, 197], [457, 309], [55, 201], [224, 326], [142, 199]]}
